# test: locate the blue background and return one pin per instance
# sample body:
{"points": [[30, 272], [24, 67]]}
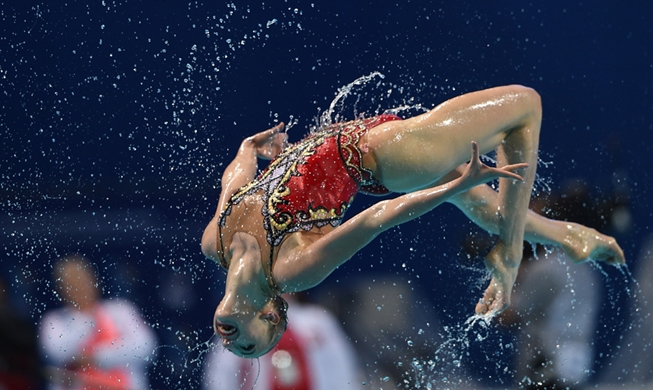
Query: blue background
{"points": [[117, 118]]}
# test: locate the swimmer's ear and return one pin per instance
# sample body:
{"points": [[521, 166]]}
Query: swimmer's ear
{"points": [[272, 317]]}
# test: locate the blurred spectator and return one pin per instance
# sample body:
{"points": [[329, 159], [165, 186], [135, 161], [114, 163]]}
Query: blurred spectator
{"points": [[609, 212], [313, 354], [556, 303], [93, 343], [631, 365], [19, 357], [398, 336]]}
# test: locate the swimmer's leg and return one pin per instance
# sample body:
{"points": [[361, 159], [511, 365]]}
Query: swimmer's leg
{"points": [[416, 152], [581, 243], [520, 145]]}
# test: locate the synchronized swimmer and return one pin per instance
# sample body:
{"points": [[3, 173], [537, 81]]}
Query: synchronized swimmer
{"points": [[282, 231]]}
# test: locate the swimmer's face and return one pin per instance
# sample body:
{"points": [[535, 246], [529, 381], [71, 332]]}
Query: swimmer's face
{"points": [[251, 334]]}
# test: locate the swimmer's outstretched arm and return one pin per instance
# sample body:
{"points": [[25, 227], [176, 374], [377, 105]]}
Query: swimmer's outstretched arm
{"points": [[264, 145], [307, 267]]}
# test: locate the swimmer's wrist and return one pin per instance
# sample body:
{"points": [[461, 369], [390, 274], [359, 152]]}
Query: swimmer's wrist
{"points": [[248, 145], [457, 185]]}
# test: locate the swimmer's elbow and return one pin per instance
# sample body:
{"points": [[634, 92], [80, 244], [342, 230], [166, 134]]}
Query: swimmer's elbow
{"points": [[209, 252], [209, 241], [379, 218], [299, 272]]}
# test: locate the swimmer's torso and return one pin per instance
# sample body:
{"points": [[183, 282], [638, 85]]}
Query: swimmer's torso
{"points": [[306, 188]]}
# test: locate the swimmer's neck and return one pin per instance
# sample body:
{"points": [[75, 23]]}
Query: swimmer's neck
{"points": [[246, 283]]}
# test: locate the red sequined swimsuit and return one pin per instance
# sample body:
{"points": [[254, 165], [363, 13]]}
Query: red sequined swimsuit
{"points": [[311, 183]]}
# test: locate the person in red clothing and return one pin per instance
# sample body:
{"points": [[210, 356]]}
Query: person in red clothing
{"points": [[282, 231], [93, 343]]}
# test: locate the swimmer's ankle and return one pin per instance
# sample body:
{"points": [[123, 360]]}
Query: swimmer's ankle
{"points": [[504, 256]]}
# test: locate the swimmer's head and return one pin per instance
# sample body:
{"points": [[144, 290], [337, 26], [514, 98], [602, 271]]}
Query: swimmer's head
{"points": [[249, 333]]}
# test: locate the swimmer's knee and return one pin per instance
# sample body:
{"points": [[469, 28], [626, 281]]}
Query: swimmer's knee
{"points": [[532, 100], [526, 97]]}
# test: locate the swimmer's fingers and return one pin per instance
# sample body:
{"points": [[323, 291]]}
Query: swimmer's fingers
{"points": [[276, 129], [508, 171], [475, 153], [266, 135], [475, 167], [475, 163], [480, 173]]}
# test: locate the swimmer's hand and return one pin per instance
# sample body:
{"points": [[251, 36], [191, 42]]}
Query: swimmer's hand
{"points": [[269, 143], [478, 173]]}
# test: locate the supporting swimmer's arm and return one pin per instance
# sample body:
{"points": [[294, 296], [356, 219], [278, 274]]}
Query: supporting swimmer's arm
{"points": [[265, 145], [309, 266]]}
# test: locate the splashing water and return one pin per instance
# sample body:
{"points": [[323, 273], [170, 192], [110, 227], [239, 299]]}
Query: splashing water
{"points": [[335, 113], [444, 369], [332, 114]]}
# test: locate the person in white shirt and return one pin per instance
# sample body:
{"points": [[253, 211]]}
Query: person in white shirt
{"points": [[558, 304], [93, 343]]}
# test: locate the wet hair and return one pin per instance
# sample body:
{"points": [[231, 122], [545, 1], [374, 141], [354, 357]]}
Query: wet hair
{"points": [[281, 306], [276, 331]]}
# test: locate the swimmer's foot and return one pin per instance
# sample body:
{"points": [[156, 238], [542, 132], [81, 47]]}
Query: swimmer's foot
{"points": [[582, 244], [497, 296]]}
